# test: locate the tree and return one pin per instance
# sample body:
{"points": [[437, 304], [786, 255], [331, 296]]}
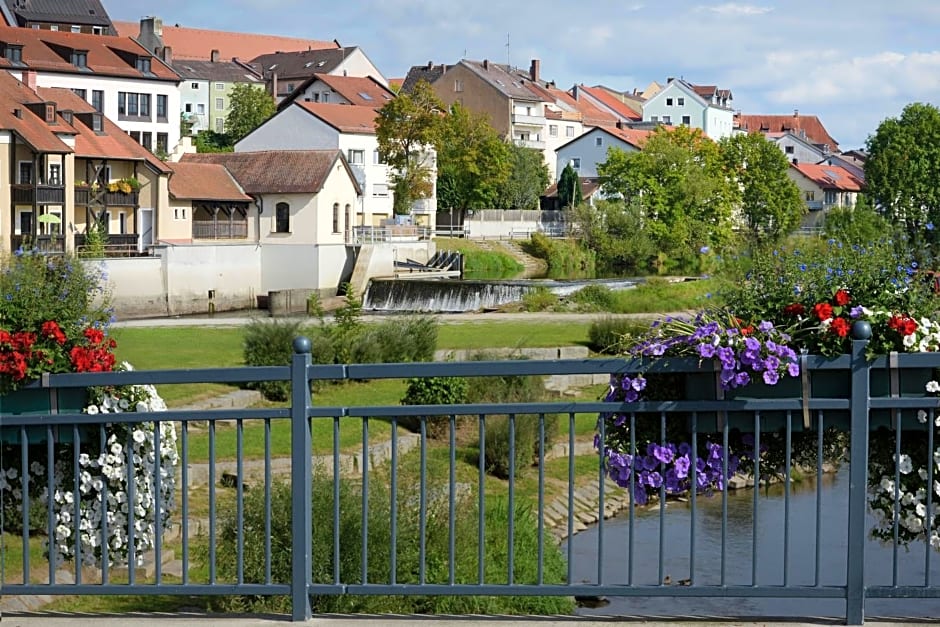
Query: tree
{"points": [[680, 188], [473, 161], [210, 141], [527, 179], [569, 188], [249, 107], [902, 170], [614, 231], [406, 128], [860, 224], [770, 202]]}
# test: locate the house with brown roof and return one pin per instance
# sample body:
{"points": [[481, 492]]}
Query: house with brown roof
{"points": [[362, 91], [71, 16], [824, 187], [207, 204], [797, 149], [697, 106], [303, 125], [603, 98], [120, 79], [807, 127], [302, 201], [591, 148], [286, 71]]}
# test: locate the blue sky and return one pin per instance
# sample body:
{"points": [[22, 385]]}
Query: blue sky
{"points": [[851, 63]]}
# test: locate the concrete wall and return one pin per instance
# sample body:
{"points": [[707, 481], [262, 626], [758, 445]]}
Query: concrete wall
{"points": [[494, 223]]}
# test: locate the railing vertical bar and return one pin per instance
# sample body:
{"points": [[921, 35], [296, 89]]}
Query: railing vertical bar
{"points": [[239, 501], [693, 497], [301, 490], [50, 503], [268, 475], [820, 429], [754, 515], [158, 498], [928, 549], [423, 503], [570, 522], [212, 501], [897, 498], [858, 478], [76, 503], [600, 503], [105, 545], [662, 504], [452, 502], [510, 545], [631, 516], [184, 495], [724, 502], [393, 499], [364, 551], [541, 505], [481, 504], [131, 520], [336, 558], [788, 460], [24, 512]]}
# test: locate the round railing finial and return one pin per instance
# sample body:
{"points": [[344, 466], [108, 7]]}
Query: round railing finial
{"points": [[302, 344], [861, 330]]}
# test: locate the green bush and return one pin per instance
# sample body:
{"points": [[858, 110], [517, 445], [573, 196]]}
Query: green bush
{"points": [[565, 258], [595, 298], [607, 334], [539, 299], [270, 343], [433, 391], [378, 536]]}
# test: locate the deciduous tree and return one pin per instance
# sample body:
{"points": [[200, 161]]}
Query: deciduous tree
{"points": [[249, 107], [527, 179]]}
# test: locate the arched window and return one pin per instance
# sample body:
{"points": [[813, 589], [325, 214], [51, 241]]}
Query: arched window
{"points": [[282, 218], [336, 217], [348, 223]]}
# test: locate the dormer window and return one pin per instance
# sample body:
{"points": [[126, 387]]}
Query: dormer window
{"points": [[143, 65], [67, 116], [97, 125], [80, 58], [50, 113], [13, 53]]}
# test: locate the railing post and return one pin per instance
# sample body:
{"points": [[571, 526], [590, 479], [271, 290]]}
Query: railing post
{"points": [[301, 480], [858, 476]]}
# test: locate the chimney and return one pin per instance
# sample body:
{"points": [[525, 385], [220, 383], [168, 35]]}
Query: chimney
{"points": [[167, 55], [151, 33], [214, 56], [534, 70], [29, 78], [574, 92], [796, 113], [274, 85], [486, 64], [430, 65]]}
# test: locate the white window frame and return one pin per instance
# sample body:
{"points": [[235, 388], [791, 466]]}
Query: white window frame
{"points": [[220, 104], [553, 130], [220, 86], [380, 190], [569, 131], [356, 156], [598, 141], [576, 164]]}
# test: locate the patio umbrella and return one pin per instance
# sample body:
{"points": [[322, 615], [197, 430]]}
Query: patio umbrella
{"points": [[49, 218]]}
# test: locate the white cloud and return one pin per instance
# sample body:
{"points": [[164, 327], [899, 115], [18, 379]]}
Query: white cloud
{"points": [[733, 8]]}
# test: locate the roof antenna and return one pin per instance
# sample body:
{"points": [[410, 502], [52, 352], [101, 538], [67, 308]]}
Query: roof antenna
{"points": [[508, 54]]}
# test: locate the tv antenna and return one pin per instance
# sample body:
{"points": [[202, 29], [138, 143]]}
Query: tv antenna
{"points": [[508, 54]]}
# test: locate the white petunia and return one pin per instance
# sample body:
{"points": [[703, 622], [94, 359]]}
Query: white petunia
{"points": [[933, 387], [904, 464], [921, 416]]}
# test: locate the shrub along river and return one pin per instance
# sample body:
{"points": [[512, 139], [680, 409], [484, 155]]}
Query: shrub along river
{"points": [[832, 503]]}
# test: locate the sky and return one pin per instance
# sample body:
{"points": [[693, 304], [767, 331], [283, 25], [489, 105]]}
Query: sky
{"points": [[852, 63]]}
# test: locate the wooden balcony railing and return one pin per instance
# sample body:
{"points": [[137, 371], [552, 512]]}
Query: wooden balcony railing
{"points": [[41, 194], [116, 244], [207, 229], [50, 244], [83, 198]]}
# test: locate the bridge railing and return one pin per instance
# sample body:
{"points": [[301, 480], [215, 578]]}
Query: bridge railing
{"points": [[238, 449]]}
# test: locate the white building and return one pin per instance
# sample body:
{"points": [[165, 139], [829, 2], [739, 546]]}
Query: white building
{"points": [[703, 107], [590, 149]]}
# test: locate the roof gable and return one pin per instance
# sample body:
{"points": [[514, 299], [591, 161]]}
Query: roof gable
{"points": [[829, 176], [363, 91], [304, 63], [612, 104], [671, 88], [17, 102], [198, 43], [344, 118], [277, 171], [500, 77]]}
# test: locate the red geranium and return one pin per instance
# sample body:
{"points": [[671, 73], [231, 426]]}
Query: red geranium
{"points": [[840, 327], [823, 311], [902, 324], [794, 309], [842, 298]]}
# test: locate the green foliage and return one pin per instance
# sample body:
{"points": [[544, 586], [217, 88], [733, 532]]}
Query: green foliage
{"points": [[378, 534], [610, 335], [210, 141], [569, 187], [270, 343], [315, 306], [595, 298], [679, 186], [769, 200], [96, 239], [528, 178], [539, 299], [490, 264], [901, 175], [400, 340], [565, 258], [249, 107], [613, 229], [405, 128], [473, 161], [433, 391], [857, 225], [38, 288]]}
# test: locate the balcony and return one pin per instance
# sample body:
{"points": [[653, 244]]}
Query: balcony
{"points": [[116, 244], [207, 229], [84, 196], [48, 244], [814, 205], [530, 143], [38, 194], [519, 119]]}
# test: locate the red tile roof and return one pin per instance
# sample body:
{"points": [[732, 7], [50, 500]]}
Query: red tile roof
{"points": [[30, 127], [616, 106], [830, 176], [111, 143], [363, 91], [198, 43], [344, 118], [634, 137], [204, 181], [276, 171], [815, 131], [50, 51]]}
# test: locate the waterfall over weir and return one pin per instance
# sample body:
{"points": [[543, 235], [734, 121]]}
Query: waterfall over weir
{"points": [[457, 295]]}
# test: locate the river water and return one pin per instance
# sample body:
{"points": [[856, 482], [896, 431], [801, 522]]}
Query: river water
{"points": [[739, 550]]}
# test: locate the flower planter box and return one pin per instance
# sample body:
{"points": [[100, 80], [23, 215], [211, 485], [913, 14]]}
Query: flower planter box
{"points": [[39, 401]]}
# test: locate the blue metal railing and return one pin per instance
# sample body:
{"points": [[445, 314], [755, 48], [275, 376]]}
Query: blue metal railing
{"points": [[849, 405]]}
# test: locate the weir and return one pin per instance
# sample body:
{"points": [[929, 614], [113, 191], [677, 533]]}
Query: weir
{"points": [[453, 295]]}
